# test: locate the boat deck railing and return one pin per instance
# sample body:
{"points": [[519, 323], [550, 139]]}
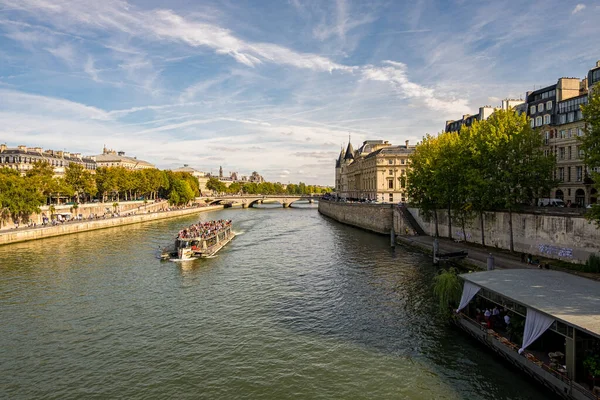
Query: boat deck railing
{"points": [[532, 358]]}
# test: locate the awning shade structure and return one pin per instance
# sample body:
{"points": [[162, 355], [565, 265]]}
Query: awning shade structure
{"points": [[568, 298], [469, 291], [536, 324]]}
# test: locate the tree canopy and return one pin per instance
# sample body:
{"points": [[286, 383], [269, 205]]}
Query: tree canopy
{"points": [[494, 164], [590, 144]]}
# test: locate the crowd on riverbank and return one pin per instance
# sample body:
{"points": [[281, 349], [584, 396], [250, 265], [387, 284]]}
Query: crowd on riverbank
{"points": [[66, 218]]}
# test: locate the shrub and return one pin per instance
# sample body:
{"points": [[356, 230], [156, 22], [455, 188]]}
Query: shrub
{"points": [[593, 263]]}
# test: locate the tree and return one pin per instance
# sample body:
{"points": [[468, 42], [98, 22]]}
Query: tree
{"points": [[216, 185], [590, 144], [41, 176], [18, 195], [423, 189], [80, 180], [519, 169], [447, 288]]}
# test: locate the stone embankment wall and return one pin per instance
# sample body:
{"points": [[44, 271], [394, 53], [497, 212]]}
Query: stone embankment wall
{"points": [[372, 217], [95, 209], [566, 237], [14, 236]]}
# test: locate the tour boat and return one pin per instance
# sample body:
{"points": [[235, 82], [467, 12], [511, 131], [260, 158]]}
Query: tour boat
{"points": [[200, 240]]}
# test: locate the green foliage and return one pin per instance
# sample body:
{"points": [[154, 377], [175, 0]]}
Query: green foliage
{"points": [[494, 164], [19, 196], [590, 144], [447, 288], [592, 365], [592, 264], [81, 181]]}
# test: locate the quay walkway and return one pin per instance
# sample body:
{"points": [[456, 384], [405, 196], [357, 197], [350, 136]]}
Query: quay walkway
{"points": [[478, 254], [41, 232]]}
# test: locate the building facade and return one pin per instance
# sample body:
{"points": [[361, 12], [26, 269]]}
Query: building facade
{"points": [[484, 113], [112, 158], [375, 171], [556, 111], [22, 158]]}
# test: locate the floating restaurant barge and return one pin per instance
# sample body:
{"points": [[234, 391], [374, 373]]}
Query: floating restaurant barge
{"points": [[554, 316], [203, 239]]}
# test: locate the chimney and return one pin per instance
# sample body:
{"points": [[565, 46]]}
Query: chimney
{"points": [[23, 148], [66, 154], [406, 144], [121, 153], [2, 147]]}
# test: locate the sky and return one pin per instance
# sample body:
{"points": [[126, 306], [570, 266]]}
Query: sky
{"points": [[277, 86]]}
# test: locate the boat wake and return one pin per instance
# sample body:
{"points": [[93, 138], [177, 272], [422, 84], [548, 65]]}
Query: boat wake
{"points": [[239, 232]]}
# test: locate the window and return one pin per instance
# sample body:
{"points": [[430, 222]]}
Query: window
{"points": [[538, 121], [571, 117], [532, 122], [391, 198], [569, 176], [390, 162], [390, 184], [540, 107], [561, 174], [578, 115], [402, 161], [580, 152], [562, 134], [532, 110], [563, 118], [561, 153], [579, 172], [391, 172], [549, 105], [569, 153], [547, 119]]}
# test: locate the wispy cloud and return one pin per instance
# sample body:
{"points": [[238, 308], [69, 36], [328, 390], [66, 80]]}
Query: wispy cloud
{"points": [[90, 69], [578, 7]]}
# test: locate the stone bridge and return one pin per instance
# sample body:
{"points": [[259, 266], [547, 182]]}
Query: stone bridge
{"points": [[249, 200]]}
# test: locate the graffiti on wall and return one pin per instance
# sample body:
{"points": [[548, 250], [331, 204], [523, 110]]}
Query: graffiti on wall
{"points": [[555, 251], [460, 236]]}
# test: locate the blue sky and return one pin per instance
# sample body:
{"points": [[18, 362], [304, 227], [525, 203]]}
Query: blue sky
{"points": [[271, 86]]}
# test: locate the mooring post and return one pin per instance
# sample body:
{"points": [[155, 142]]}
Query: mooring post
{"points": [[436, 248], [392, 237], [490, 262]]}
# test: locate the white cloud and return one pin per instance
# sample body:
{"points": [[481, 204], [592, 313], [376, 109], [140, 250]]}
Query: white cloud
{"points": [[14, 100], [65, 52], [578, 7], [90, 69], [396, 74]]}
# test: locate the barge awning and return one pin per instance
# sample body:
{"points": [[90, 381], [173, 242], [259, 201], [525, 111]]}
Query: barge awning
{"points": [[566, 297]]}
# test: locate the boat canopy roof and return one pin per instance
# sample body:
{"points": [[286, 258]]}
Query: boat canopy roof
{"points": [[563, 296]]}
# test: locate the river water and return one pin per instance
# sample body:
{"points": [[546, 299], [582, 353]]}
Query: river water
{"points": [[296, 306]]}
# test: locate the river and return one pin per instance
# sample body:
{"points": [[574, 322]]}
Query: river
{"points": [[296, 306]]}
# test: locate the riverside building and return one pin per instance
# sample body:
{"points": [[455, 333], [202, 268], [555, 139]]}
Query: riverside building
{"points": [[484, 113], [375, 171], [556, 111], [22, 158], [112, 158]]}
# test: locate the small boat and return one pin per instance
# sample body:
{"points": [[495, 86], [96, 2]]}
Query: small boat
{"points": [[200, 240]]}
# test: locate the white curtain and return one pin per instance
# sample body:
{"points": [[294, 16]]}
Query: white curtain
{"points": [[536, 323], [469, 291]]}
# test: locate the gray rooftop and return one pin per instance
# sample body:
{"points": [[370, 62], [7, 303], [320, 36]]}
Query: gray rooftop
{"points": [[567, 297]]}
